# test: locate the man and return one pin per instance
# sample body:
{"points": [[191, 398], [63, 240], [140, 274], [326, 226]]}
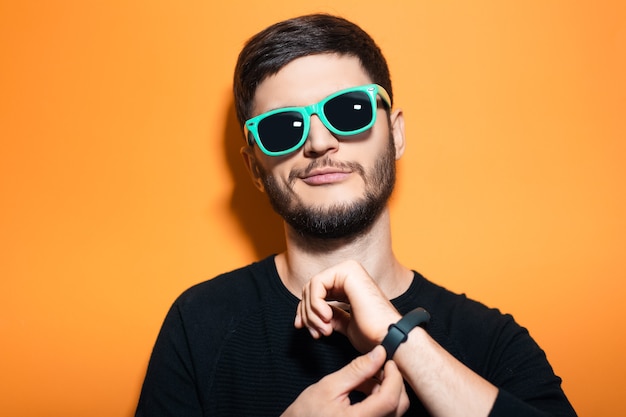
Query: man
{"points": [[298, 334]]}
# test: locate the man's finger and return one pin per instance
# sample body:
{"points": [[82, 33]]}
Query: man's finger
{"points": [[359, 370], [389, 397], [341, 320]]}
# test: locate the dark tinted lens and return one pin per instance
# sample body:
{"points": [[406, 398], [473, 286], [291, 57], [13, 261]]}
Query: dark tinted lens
{"points": [[281, 131], [349, 111]]}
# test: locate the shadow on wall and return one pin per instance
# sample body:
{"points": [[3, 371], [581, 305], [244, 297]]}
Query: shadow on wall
{"points": [[253, 212]]}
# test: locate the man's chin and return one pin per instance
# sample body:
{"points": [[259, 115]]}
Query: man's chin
{"points": [[333, 222], [324, 198]]}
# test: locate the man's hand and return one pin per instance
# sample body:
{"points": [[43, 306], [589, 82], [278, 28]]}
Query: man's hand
{"points": [[371, 312], [444, 385], [386, 395]]}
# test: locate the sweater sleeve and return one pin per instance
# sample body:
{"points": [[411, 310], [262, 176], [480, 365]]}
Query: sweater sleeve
{"points": [[169, 389], [527, 384], [507, 405]]}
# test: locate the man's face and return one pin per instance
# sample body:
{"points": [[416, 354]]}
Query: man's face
{"points": [[332, 187]]}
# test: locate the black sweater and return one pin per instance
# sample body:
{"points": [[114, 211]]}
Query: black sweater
{"points": [[228, 347]]}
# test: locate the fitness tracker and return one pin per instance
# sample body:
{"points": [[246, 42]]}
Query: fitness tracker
{"points": [[399, 332]]}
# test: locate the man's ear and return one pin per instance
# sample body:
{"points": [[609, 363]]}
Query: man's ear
{"points": [[397, 130], [252, 164]]}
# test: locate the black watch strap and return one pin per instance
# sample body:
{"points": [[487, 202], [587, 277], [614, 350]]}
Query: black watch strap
{"points": [[399, 332]]}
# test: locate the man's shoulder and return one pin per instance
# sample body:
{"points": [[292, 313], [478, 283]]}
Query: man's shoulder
{"points": [[456, 304], [241, 285], [462, 324]]}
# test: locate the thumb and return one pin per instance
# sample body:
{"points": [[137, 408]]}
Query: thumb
{"points": [[361, 369], [341, 320]]}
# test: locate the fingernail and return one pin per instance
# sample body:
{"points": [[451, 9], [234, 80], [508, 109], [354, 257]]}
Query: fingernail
{"points": [[375, 353]]}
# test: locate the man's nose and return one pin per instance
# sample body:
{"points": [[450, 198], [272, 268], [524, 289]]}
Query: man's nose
{"points": [[320, 140]]}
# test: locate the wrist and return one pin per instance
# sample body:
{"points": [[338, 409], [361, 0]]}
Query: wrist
{"points": [[398, 332], [384, 327]]}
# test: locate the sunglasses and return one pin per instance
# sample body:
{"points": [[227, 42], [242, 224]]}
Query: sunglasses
{"points": [[345, 113]]}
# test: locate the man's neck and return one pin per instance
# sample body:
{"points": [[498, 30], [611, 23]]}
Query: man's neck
{"points": [[306, 257]]}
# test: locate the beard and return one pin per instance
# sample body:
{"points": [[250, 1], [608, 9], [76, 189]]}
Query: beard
{"points": [[342, 220]]}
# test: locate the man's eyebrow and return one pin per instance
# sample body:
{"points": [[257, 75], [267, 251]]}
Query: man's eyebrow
{"points": [[284, 107]]}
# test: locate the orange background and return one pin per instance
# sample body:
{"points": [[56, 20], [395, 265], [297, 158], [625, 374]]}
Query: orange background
{"points": [[121, 183]]}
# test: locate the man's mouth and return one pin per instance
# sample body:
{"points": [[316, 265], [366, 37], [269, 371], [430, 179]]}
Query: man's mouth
{"points": [[325, 176]]}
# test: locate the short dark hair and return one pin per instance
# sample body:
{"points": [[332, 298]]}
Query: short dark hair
{"points": [[270, 50]]}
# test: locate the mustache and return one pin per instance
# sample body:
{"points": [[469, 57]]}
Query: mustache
{"points": [[326, 162]]}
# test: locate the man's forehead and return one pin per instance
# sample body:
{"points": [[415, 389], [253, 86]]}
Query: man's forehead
{"points": [[307, 80]]}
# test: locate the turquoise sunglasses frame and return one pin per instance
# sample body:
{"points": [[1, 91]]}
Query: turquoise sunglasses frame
{"points": [[372, 90]]}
